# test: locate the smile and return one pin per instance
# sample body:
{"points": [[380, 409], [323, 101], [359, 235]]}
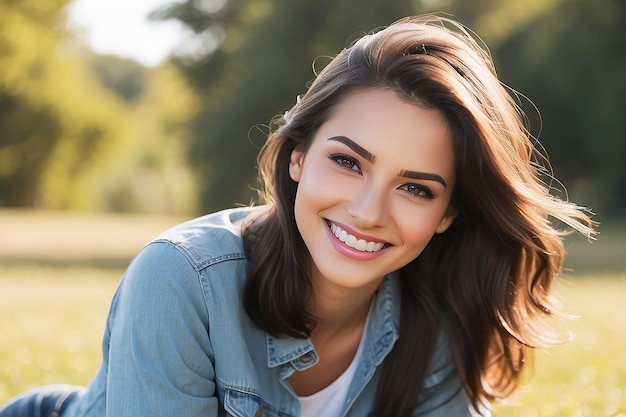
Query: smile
{"points": [[352, 241]]}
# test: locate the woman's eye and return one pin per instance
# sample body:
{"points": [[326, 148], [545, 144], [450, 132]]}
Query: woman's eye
{"points": [[418, 190], [346, 162]]}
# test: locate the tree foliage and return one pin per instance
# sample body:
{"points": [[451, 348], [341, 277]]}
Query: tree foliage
{"points": [[148, 171], [571, 63], [83, 131], [50, 131], [124, 76]]}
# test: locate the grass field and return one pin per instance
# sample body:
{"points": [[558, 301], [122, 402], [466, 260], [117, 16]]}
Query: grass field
{"points": [[58, 273]]}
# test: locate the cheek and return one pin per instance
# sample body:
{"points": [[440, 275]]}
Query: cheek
{"points": [[418, 225], [324, 184], [313, 195]]}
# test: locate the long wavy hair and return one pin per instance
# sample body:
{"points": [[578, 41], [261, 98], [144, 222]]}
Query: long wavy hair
{"points": [[488, 277]]}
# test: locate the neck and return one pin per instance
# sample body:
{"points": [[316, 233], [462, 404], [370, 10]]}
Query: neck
{"points": [[340, 310]]}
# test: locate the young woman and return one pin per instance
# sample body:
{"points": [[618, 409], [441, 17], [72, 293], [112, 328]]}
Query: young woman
{"points": [[401, 264]]}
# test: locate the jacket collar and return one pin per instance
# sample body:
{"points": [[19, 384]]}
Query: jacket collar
{"points": [[381, 333]]}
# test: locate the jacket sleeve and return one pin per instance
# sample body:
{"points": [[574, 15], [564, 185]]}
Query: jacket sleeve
{"points": [[160, 361]]}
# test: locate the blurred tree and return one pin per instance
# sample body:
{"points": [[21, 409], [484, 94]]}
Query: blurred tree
{"points": [[126, 77], [92, 124], [50, 129], [84, 131], [571, 62], [25, 49], [149, 172]]}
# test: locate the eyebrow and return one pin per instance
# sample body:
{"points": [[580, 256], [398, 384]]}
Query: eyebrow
{"points": [[364, 153], [370, 157], [423, 176]]}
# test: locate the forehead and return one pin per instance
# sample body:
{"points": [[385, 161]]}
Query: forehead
{"points": [[406, 133], [384, 101]]}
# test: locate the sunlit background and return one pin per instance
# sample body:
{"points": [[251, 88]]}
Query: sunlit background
{"points": [[130, 34], [120, 118]]}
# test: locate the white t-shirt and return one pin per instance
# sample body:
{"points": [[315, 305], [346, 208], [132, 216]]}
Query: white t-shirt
{"points": [[329, 401]]}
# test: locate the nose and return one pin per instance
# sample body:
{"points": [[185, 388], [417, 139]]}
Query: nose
{"points": [[368, 206]]}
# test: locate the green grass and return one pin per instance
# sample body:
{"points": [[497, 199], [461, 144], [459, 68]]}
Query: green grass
{"points": [[586, 377], [52, 323], [58, 274]]}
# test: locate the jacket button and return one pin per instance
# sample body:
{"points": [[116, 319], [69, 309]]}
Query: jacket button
{"points": [[306, 358], [259, 413]]}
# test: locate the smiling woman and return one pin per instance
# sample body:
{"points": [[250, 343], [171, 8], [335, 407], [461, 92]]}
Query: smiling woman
{"points": [[400, 265], [390, 191]]}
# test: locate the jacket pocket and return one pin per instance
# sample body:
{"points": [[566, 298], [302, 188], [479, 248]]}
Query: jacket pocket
{"points": [[239, 403]]}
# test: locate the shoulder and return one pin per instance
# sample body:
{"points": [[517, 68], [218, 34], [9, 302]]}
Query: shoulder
{"points": [[210, 239], [176, 267]]}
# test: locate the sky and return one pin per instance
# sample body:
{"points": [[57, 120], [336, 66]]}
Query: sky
{"points": [[128, 34]]}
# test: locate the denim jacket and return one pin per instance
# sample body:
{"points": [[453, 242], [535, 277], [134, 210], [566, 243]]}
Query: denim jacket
{"points": [[178, 341]]}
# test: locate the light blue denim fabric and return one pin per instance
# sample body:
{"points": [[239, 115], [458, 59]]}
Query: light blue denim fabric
{"points": [[179, 343], [48, 401]]}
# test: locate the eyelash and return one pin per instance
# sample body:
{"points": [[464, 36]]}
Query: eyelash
{"points": [[419, 190], [341, 158]]}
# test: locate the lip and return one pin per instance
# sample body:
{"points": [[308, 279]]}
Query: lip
{"points": [[350, 252]]}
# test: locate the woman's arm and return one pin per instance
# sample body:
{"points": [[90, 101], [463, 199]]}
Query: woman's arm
{"points": [[160, 361]]}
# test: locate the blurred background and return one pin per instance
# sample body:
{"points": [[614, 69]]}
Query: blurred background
{"points": [[174, 125], [119, 119]]}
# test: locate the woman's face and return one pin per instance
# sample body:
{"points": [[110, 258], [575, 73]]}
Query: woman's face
{"points": [[374, 187]]}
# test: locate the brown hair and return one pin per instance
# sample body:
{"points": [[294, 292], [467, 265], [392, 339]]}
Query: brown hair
{"points": [[489, 275]]}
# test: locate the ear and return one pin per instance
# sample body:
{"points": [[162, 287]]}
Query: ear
{"points": [[447, 220], [295, 164]]}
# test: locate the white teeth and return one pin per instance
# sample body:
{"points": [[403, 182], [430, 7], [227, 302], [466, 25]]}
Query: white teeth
{"points": [[353, 242]]}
